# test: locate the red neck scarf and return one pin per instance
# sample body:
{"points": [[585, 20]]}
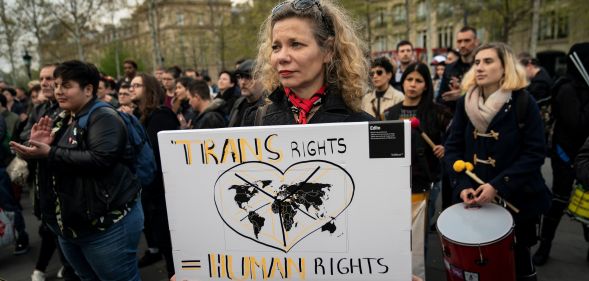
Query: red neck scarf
{"points": [[304, 106]]}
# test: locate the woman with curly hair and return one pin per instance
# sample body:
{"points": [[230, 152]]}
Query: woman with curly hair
{"points": [[312, 62]]}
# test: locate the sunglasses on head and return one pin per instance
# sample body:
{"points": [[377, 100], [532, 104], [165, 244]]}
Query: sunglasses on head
{"points": [[378, 72], [302, 5]]}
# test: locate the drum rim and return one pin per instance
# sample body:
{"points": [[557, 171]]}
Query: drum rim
{"points": [[477, 244]]}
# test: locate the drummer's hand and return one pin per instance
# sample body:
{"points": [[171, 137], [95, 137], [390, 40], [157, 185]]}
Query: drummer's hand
{"points": [[415, 278], [486, 194], [173, 278], [439, 151], [468, 196]]}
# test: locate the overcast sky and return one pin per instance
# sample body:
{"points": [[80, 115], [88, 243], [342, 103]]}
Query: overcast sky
{"points": [[119, 14]]}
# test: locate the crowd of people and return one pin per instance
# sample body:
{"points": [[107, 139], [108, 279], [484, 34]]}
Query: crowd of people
{"points": [[480, 102]]}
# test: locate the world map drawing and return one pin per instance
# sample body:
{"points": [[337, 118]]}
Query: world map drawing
{"points": [[279, 209]]}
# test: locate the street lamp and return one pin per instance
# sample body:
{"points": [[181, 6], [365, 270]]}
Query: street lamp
{"points": [[27, 59]]}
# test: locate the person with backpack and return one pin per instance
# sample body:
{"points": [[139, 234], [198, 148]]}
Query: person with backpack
{"points": [[155, 117], [89, 195], [570, 110], [505, 142]]}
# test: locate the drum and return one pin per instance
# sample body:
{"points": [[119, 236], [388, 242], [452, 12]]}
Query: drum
{"points": [[579, 205], [477, 243]]}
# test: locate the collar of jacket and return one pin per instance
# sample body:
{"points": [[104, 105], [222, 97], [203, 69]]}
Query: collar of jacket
{"points": [[330, 102], [389, 94], [85, 109], [214, 105]]}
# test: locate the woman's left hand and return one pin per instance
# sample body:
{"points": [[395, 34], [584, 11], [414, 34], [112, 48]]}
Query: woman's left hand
{"points": [[36, 150], [486, 194], [439, 151]]}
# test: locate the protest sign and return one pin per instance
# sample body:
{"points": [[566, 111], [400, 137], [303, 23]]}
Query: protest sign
{"points": [[313, 202]]}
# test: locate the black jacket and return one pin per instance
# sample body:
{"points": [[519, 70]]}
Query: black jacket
{"points": [[240, 106], [229, 96], [212, 117], [49, 108], [162, 119], [457, 69], [426, 166], [540, 85], [333, 109], [570, 109], [582, 164], [86, 174], [518, 153]]}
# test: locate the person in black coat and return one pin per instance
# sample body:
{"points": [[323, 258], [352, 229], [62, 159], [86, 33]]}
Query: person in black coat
{"points": [[507, 154], [155, 117], [570, 108], [417, 87], [211, 114], [318, 78], [89, 196]]}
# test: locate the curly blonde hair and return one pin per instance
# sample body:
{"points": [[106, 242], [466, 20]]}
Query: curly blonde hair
{"points": [[514, 76], [335, 32]]}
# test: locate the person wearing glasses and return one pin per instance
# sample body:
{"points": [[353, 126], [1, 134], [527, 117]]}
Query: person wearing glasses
{"points": [[384, 95], [126, 100], [312, 62], [149, 96], [497, 126]]}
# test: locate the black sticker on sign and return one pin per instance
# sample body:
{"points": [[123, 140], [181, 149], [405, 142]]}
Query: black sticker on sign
{"points": [[386, 139]]}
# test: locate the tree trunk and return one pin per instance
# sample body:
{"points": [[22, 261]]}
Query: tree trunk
{"points": [[78, 40], [10, 35], [428, 42], [407, 21], [535, 27], [153, 26]]}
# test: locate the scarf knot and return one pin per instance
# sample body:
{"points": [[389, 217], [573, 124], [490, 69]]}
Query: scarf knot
{"points": [[304, 106]]}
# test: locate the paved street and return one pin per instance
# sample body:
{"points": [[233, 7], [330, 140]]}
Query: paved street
{"points": [[568, 259]]}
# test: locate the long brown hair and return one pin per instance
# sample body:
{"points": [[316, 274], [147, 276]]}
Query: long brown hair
{"points": [[153, 96]]}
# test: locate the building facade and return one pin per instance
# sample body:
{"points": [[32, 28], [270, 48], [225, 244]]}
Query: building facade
{"points": [[189, 34], [561, 24]]}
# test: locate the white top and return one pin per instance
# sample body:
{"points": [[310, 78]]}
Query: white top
{"points": [[478, 225]]}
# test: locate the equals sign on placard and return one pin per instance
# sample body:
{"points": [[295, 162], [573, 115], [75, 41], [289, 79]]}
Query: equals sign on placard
{"points": [[191, 264]]}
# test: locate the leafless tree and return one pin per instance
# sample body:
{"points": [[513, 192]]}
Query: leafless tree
{"points": [[77, 17], [10, 31], [35, 14]]}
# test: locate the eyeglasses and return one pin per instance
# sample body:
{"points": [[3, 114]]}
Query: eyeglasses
{"points": [[135, 85], [378, 72], [124, 94], [302, 5]]}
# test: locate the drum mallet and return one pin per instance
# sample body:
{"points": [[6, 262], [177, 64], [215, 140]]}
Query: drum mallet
{"points": [[467, 167], [415, 123]]}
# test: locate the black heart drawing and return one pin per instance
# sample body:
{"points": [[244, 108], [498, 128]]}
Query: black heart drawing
{"points": [[278, 209]]}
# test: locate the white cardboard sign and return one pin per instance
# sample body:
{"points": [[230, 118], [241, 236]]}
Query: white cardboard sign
{"points": [[313, 202]]}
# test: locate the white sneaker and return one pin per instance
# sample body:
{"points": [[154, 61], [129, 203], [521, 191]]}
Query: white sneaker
{"points": [[60, 273], [38, 276]]}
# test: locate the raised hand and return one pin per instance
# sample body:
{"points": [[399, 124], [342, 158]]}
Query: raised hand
{"points": [[41, 131]]}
